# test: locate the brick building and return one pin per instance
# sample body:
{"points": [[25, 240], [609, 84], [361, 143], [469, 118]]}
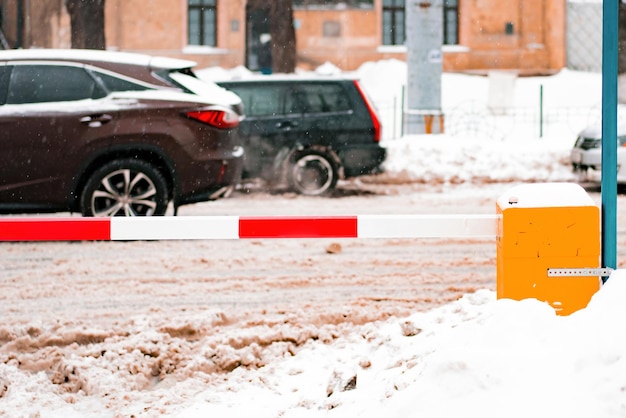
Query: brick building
{"points": [[479, 35], [40, 24]]}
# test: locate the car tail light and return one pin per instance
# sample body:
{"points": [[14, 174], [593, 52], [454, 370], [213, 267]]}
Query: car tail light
{"points": [[372, 111], [219, 118]]}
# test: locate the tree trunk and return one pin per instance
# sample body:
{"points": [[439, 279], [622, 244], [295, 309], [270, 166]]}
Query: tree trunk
{"points": [[283, 36], [87, 23]]}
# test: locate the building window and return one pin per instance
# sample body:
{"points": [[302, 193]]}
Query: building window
{"points": [[320, 4], [450, 22], [331, 29], [394, 18], [202, 22], [393, 22]]}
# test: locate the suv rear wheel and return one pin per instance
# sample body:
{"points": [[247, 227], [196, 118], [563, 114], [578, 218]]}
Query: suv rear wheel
{"points": [[125, 187], [313, 173]]}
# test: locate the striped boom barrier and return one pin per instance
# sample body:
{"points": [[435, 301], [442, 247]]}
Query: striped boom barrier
{"points": [[241, 227]]}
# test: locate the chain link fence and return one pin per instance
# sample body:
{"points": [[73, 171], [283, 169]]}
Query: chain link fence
{"points": [[476, 119], [583, 35]]}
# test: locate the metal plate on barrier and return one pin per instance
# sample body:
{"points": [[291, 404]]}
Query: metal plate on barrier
{"points": [[602, 272]]}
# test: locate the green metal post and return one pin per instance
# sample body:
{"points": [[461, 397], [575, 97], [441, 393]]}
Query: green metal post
{"points": [[610, 25], [541, 111]]}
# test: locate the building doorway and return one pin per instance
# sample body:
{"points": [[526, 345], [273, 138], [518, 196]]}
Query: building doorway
{"points": [[258, 38]]}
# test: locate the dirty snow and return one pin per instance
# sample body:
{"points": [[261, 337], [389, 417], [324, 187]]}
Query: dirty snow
{"points": [[68, 350]]}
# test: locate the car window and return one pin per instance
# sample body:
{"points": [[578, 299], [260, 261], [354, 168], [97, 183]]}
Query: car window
{"points": [[50, 83], [297, 100], [260, 100], [4, 80], [328, 97], [112, 83]]}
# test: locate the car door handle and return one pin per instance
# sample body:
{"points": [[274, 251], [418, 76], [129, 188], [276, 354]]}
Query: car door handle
{"points": [[95, 121], [287, 124]]}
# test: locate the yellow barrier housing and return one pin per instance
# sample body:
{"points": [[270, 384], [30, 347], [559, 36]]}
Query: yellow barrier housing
{"points": [[547, 226]]}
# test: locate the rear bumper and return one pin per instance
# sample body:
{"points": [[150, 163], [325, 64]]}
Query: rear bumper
{"points": [[362, 159], [586, 158], [229, 177], [594, 174]]}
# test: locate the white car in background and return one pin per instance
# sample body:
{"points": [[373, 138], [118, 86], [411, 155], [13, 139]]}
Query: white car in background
{"points": [[586, 155]]}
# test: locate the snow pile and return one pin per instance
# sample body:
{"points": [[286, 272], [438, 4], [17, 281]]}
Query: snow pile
{"points": [[477, 356], [449, 159]]}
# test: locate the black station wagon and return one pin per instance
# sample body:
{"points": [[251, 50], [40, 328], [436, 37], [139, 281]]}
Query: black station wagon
{"points": [[307, 132]]}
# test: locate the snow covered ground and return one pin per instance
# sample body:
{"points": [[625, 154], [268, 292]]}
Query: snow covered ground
{"points": [[476, 356]]}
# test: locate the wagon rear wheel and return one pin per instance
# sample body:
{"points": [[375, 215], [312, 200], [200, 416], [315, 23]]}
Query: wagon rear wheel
{"points": [[313, 173]]}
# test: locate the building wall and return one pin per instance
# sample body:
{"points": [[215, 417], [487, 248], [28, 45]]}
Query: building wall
{"points": [[45, 23], [534, 42], [344, 37], [160, 27], [144, 25]]}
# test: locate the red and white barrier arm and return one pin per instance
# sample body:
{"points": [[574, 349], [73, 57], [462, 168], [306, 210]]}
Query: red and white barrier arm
{"points": [[239, 227]]}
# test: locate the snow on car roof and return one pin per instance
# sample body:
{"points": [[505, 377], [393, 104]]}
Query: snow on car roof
{"points": [[97, 55], [168, 95], [595, 130], [206, 88], [242, 74], [281, 77], [110, 102]]}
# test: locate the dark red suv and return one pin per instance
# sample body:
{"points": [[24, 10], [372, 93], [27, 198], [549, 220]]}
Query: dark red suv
{"points": [[112, 134]]}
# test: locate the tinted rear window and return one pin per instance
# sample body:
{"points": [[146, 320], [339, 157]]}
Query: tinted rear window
{"points": [[324, 97], [50, 83], [281, 98]]}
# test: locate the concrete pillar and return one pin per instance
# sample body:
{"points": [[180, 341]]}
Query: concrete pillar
{"points": [[424, 38]]}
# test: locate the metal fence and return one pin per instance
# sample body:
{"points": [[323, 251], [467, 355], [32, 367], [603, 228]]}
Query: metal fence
{"points": [[583, 35], [477, 119], [520, 122]]}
